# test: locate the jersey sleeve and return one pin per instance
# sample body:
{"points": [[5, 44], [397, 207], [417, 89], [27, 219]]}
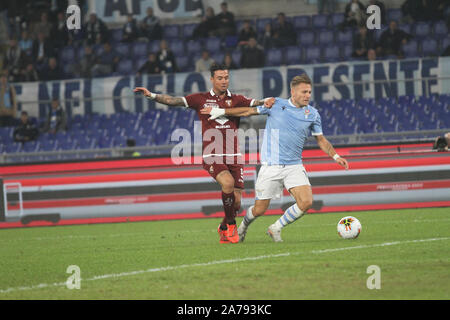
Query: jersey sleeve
{"points": [[264, 110], [242, 101], [193, 101], [316, 129]]}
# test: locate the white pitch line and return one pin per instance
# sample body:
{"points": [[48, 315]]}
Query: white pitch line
{"points": [[215, 262]]}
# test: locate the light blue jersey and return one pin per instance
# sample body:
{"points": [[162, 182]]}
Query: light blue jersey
{"points": [[287, 128]]}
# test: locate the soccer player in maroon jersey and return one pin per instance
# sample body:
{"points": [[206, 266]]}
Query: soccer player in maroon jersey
{"points": [[221, 156]]}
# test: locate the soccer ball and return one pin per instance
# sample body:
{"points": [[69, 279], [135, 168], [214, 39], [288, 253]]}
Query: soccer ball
{"points": [[349, 227]]}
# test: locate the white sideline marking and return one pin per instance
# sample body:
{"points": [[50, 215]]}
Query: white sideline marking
{"points": [[215, 262]]}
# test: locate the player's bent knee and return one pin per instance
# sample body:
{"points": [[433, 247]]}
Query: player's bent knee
{"points": [[305, 205]]}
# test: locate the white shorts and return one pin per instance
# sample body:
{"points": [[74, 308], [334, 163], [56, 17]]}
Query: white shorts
{"points": [[271, 179]]}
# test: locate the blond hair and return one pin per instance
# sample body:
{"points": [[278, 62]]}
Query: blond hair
{"points": [[303, 78]]}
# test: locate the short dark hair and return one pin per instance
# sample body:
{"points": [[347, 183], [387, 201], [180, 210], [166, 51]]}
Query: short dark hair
{"points": [[23, 113], [217, 66]]}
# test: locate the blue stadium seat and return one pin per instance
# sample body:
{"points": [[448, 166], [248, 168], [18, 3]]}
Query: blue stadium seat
{"points": [[301, 22], [67, 54], [194, 46], [312, 54], [140, 49], [188, 30], [212, 44], [171, 31], [184, 63], [30, 146], [293, 55], [261, 24], [307, 38], [231, 41], [445, 42], [125, 67], [336, 19], [440, 28], [153, 46], [331, 53], [177, 47], [274, 57], [406, 27], [422, 29], [218, 57], [429, 47], [123, 49], [345, 36], [236, 56], [116, 35], [326, 37], [320, 21], [411, 49], [393, 14], [12, 147]]}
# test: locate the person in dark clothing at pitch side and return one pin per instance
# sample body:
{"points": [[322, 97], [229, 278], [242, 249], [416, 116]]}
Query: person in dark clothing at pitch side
{"points": [[26, 131]]}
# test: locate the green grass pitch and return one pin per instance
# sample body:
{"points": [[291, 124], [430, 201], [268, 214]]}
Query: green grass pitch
{"points": [[182, 259]]}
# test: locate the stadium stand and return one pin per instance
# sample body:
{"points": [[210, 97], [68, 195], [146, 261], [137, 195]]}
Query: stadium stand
{"points": [[319, 40]]}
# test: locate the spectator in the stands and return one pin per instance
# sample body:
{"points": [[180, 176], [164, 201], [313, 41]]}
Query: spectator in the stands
{"points": [[56, 118], [329, 5], [96, 30], [151, 26], [424, 10], [225, 21], [43, 25], [252, 55], [106, 62], [228, 62], [382, 10], [354, 14], [284, 32], [131, 153], [52, 71], [204, 63], [446, 52], [246, 33], [13, 60], [392, 40], [166, 58], [362, 42], [42, 50], [151, 66], [8, 101], [29, 74], [86, 63], [207, 27], [26, 130], [26, 43], [130, 30], [267, 39], [59, 34], [371, 55]]}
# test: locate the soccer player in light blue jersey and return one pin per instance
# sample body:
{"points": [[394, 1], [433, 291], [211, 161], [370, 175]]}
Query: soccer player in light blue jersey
{"points": [[290, 122]]}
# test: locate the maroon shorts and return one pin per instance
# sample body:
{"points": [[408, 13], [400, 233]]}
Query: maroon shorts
{"points": [[236, 170]]}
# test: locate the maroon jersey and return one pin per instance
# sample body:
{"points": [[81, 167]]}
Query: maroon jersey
{"points": [[219, 136]]}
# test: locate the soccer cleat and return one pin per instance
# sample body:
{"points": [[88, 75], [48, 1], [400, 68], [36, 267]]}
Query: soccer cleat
{"points": [[223, 234], [274, 233], [242, 231], [233, 235]]}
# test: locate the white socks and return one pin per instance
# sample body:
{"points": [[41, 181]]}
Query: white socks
{"points": [[290, 215], [249, 217]]}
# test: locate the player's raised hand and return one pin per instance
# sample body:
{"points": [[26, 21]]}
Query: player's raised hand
{"points": [[342, 162], [142, 90], [268, 102]]}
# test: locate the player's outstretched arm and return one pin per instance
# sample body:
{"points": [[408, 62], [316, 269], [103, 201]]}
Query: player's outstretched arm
{"points": [[161, 98], [327, 147], [237, 112]]}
